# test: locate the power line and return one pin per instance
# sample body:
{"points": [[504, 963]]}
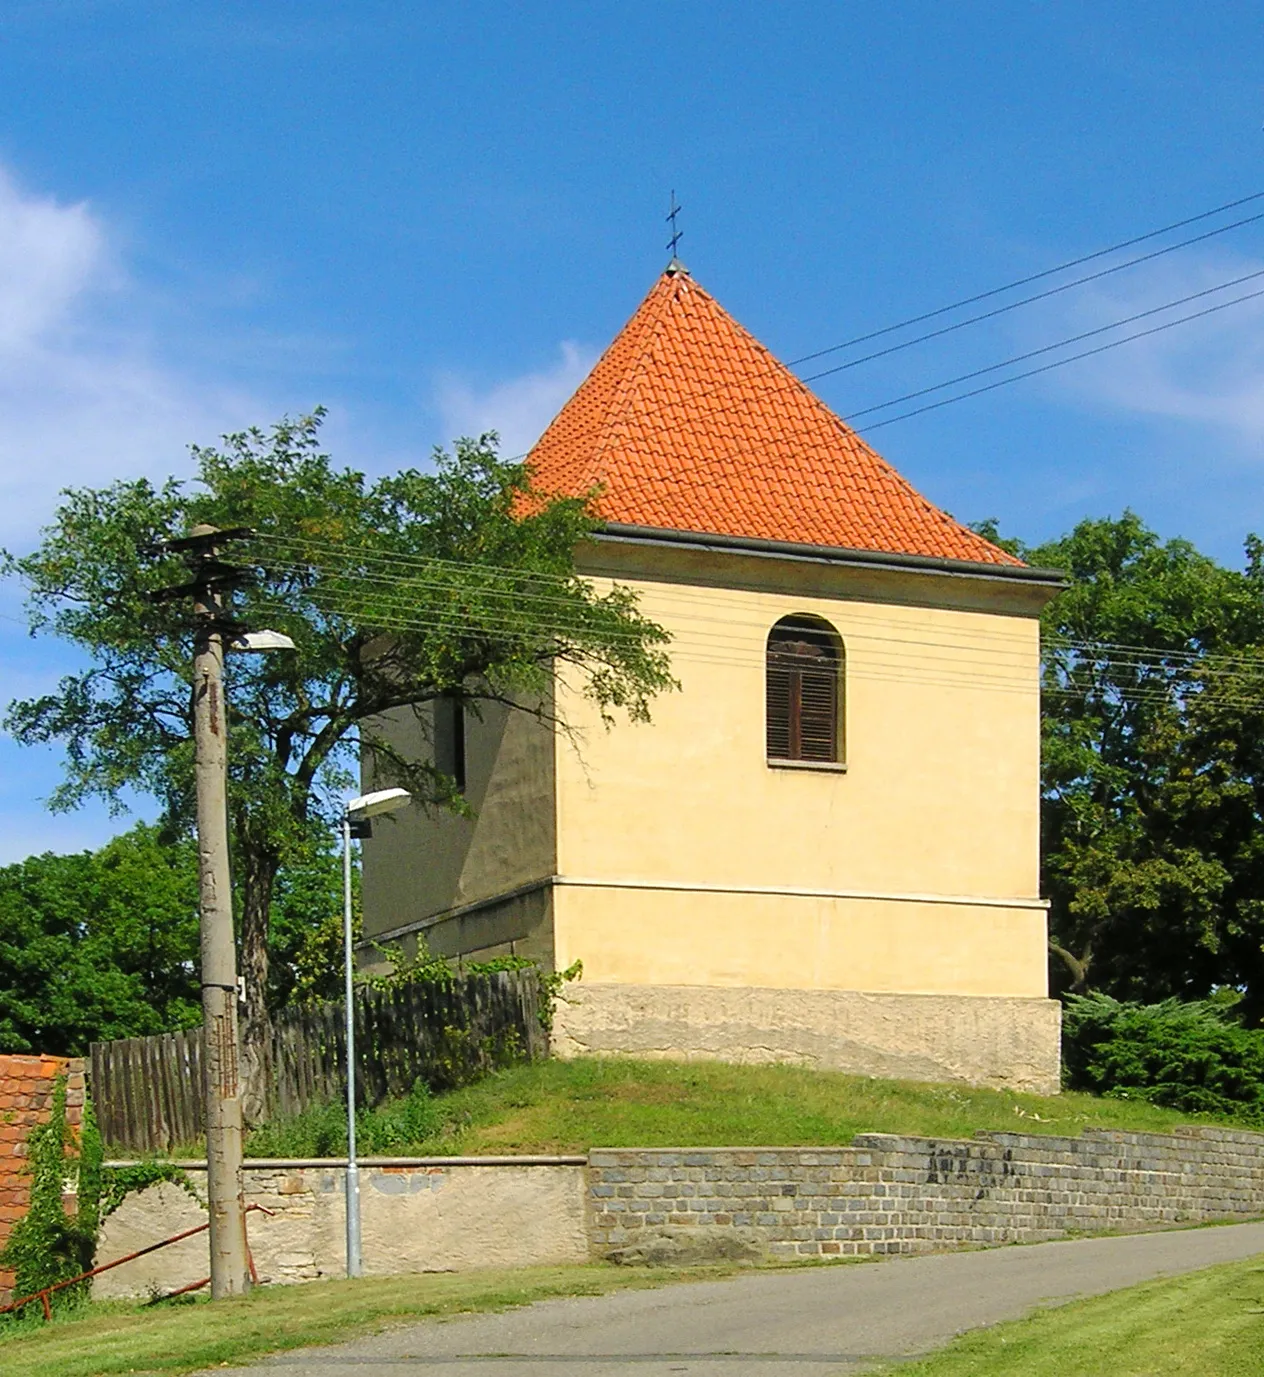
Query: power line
{"points": [[399, 576], [1062, 343], [1025, 301], [1034, 277], [403, 616], [1061, 363]]}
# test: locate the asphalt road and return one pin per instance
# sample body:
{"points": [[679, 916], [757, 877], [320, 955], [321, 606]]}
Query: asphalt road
{"points": [[807, 1323]]}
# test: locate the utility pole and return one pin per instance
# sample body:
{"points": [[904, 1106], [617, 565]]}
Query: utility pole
{"points": [[229, 1270]]}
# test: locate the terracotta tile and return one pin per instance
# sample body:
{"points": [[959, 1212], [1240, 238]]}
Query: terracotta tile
{"points": [[684, 388]]}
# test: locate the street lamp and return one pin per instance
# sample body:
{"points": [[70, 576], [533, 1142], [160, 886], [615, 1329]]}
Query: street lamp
{"points": [[355, 815]]}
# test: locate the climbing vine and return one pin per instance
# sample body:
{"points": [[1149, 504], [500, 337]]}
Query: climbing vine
{"points": [[427, 968], [48, 1244]]}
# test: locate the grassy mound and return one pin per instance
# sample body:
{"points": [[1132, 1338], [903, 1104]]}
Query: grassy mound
{"points": [[570, 1106]]}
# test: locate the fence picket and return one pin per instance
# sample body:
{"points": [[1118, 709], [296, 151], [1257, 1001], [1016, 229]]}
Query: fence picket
{"points": [[147, 1092]]}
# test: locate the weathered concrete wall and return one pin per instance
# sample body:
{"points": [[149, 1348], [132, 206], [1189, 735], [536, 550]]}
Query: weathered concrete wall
{"points": [[885, 1194], [432, 1217], [1002, 1042], [26, 1097]]}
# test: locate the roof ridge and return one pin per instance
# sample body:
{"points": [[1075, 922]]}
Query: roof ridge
{"points": [[660, 299]]}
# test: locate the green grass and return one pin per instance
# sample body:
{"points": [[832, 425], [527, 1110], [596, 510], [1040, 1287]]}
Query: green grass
{"points": [[1205, 1324], [179, 1337], [570, 1106]]}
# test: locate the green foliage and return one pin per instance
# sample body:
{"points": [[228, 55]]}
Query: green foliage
{"points": [[47, 1245], [1153, 816], [570, 1106], [426, 968], [395, 592], [98, 945], [391, 1128], [1190, 1056], [117, 1183], [104, 944], [305, 925]]}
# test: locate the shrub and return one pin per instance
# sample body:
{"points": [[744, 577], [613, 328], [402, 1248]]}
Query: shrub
{"points": [[1193, 1056], [392, 1127]]}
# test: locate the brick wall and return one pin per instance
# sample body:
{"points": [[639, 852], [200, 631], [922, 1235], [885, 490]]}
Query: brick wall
{"points": [[886, 1194], [26, 1093]]}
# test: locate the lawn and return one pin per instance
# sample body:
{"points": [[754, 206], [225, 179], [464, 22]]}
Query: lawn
{"points": [[1208, 1323], [178, 1337], [570, 1106]]}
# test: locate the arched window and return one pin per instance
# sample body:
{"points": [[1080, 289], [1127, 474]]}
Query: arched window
{"points": [[805, 691]]}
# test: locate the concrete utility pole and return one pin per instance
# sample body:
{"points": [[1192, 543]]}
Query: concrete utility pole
{"points": [[230, 1275]]}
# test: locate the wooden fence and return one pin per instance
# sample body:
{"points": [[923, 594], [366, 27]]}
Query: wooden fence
{"points": [[147, 1092]]}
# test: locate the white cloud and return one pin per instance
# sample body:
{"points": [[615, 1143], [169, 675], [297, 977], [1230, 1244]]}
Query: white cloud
{"points": [[1208, 371], [82, 401], [518, 409]]}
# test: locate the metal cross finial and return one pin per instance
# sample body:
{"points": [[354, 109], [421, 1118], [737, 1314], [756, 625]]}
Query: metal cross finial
{"points": [[671, 220]]}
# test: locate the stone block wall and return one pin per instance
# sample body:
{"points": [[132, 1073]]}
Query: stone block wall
{"points": [[26, 1095], [886, 1194]]}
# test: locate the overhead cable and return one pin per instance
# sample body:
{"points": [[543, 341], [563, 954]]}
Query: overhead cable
{"points": [[1044, 273]]}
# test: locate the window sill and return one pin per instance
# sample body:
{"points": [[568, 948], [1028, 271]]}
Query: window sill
{"points": [[829, 767]]}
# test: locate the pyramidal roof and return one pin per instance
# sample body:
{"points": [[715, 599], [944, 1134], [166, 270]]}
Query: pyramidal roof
{"points": [[688, 423]]}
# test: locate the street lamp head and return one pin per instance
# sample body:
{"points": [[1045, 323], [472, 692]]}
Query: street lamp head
{"points": [[261, 641], [372, 805]]}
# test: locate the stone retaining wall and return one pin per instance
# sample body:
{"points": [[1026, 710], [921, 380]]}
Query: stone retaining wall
{"points": [[885, 1194], [882, 1194]]}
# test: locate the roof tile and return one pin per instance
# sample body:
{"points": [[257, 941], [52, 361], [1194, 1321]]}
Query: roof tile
{"points": [[688, 423]]}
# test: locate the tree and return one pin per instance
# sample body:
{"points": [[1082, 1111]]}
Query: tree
{"points": [[1149, 818], [459, 582], [98, 945]]}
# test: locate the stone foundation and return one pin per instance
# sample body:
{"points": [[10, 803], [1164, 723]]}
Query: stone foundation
{"points": [[1005, 1042]]}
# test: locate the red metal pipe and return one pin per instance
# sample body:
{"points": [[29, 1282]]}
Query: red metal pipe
{"points": [[43, 1295]]}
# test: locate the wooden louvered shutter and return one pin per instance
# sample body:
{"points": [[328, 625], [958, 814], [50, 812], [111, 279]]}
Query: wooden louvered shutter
{"points": [[779, 708], [818, 712], [802, 694]]}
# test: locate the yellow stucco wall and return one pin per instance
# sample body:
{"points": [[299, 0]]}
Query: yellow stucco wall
{"points": [[684, 857]]}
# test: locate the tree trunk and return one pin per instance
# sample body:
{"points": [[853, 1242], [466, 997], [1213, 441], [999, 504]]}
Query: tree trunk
{"points": [[259, 872], [1076, 966]]}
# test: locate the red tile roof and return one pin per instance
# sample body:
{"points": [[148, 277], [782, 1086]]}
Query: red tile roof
{"points": [[688, 423]]}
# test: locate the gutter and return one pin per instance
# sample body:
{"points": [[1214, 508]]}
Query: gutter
{"points": [[618, 532]]}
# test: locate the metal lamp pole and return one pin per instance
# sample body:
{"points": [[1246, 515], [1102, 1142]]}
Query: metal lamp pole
{"points": [[353, 1169], [356, 815]]}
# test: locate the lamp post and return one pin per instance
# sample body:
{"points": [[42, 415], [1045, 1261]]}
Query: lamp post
{"points": [[355, 822]]}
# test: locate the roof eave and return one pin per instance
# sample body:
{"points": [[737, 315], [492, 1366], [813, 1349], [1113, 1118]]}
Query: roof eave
{"points": [[1052, 579]]}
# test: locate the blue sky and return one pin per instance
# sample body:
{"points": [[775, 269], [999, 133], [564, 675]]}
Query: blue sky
{"points": [[431, 217]]}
